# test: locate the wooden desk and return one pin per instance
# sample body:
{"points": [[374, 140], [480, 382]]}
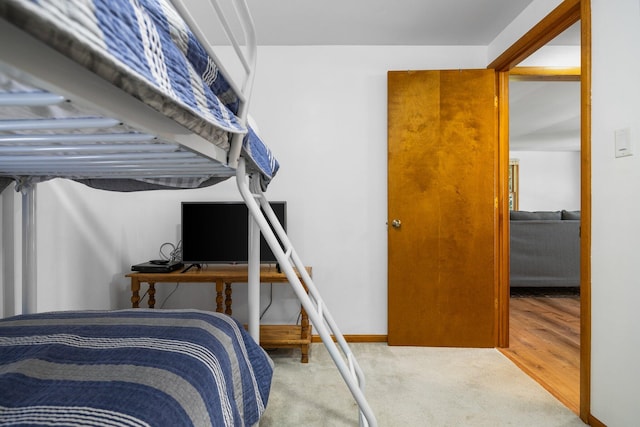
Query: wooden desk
{"points": [[271, 336]]}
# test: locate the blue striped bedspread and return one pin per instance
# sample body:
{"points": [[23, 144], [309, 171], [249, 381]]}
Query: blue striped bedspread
{"points": [[137, 367]]}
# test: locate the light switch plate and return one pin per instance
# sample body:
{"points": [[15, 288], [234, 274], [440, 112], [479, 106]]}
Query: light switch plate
{"points": [[623, 142]]}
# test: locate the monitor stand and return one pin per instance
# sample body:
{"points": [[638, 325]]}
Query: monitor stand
{"points": [[198, 266]]}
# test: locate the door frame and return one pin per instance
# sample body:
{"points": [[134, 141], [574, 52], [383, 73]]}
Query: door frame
{"points": [[562, 17]]}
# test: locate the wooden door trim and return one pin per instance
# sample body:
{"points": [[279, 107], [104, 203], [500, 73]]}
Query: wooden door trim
{"points": [[540, 74], [561, 18], [503, 291], [566, 14], [585, 207]]}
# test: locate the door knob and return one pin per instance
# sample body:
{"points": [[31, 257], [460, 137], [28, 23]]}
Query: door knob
{"points": [[396, 223]]}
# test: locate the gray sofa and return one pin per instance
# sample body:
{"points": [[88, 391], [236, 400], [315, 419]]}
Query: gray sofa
{"points": [[545, 249]]}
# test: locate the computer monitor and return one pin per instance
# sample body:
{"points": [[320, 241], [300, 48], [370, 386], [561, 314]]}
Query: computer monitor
{"points": [[217, 233]]}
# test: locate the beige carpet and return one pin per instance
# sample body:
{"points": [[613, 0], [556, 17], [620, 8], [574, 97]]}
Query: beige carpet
{"points": [[411, 386]]}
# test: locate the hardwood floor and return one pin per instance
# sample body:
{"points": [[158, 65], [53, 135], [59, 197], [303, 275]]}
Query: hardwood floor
{"points": [[544, 341]]}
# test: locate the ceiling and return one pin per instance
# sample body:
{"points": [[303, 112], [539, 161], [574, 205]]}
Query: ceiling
{"points": [[382, 22], [543, 115]]}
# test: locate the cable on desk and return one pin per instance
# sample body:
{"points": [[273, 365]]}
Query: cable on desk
{"points": [[142, 297], [168, 296], [270, 301], [174, 255]]}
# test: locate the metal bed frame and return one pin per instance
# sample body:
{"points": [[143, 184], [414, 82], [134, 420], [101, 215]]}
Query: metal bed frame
{"points": [[158, 148]]}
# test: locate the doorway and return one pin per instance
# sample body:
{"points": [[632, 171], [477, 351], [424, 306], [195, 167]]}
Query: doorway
{"points": [[544, 305], [565, 15]]}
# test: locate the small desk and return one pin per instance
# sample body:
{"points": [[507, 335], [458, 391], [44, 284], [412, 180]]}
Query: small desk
{"points": [[271, 336]]}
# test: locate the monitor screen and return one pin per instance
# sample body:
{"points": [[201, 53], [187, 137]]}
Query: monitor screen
{"points": [[217, 233]]}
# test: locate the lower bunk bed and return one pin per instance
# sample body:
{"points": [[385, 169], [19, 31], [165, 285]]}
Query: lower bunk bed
{"points": [[129, 96], [137, 367]]}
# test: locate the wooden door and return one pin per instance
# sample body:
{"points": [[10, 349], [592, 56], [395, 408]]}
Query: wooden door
{"points": [[442, 160]]}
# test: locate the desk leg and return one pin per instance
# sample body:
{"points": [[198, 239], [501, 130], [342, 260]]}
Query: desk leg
{"points": [[219, 296], [135, 293], [152, 294], [305, 333], [228, 292]]}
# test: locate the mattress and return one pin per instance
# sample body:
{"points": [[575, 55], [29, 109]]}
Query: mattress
{"points": [[141, 46], [131, 368], [144, 48]]}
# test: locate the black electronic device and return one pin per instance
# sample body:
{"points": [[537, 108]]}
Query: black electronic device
{"points": [[217, 233], [155, 267]]}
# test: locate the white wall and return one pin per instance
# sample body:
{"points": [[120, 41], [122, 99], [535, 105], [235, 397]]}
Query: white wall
{"points": [[323, 111], [615, 250], [549, 180]]}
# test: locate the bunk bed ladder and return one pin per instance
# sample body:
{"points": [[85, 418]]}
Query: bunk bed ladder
{"points": [[291, 266]]}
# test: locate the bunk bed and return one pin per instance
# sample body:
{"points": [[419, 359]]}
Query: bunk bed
{"points": [[129, 95]]}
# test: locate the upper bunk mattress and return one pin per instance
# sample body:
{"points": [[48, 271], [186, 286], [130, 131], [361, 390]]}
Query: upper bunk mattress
{"points": [[146, 49], [141, 46]]}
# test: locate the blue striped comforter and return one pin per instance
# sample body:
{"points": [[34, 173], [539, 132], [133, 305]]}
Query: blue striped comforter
{"points": [[131, 368]]}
